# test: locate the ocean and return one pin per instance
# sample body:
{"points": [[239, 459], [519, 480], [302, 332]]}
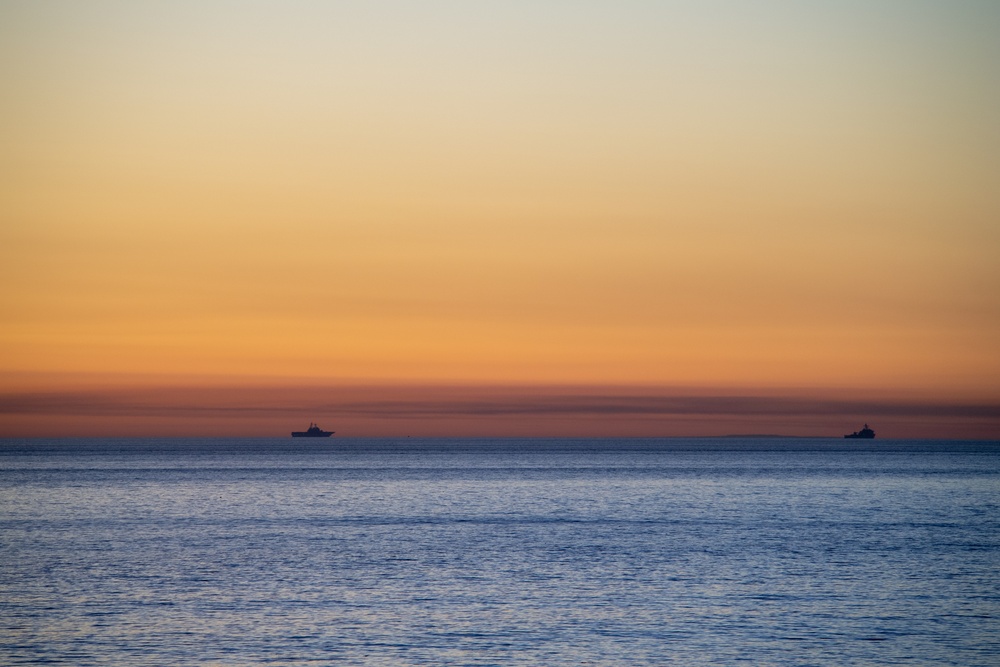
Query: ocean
{"points": [[499, 552]]}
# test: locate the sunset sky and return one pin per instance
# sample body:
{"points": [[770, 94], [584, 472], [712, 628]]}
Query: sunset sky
{"points": [[500, 218]]}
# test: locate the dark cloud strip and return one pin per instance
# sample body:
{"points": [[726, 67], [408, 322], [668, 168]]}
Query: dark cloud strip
{"points": [[436, 403]]}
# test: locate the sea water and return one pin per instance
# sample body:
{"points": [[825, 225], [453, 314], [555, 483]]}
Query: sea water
{"points": [[499, 552]]}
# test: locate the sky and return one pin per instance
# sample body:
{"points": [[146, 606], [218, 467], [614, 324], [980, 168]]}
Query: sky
{"points": [[500, 218]]}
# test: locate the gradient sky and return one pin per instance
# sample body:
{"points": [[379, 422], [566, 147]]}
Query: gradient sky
{"points": [[628, 200]]}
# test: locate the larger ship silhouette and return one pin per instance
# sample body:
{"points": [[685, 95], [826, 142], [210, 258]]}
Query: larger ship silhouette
{"points": [[864, 434], [313, 431]]}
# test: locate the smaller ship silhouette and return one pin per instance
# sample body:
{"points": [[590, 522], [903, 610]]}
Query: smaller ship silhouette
{"points": [[864, 434], [313, 431]]}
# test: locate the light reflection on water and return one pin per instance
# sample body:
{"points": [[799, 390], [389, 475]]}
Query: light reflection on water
{"points": [[502, 552]]}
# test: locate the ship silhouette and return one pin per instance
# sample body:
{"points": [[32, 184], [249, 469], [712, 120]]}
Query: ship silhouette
{"points": [[864, 434], [313, 431]]}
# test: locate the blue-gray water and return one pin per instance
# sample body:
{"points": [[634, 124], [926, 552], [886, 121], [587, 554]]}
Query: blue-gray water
{"points": [[504, 552]]}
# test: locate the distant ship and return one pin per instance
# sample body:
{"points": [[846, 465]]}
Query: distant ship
{"points": [[864, 434], [312, 432]]}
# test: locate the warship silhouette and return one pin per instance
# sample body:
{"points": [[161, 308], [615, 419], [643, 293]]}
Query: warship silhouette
{"points": [[864, 434], [313, 431]]}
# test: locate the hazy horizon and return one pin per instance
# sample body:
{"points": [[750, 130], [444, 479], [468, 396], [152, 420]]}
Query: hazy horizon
{"points": [[257, 409]]}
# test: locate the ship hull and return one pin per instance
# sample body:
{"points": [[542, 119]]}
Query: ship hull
{"points": [[864, 434], [306, 434]]}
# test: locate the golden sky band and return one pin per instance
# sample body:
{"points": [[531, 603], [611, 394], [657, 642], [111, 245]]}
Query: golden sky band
{"points": [[752, 199]]}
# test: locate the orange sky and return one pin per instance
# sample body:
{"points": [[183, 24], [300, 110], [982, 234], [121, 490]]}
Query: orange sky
{"points": [[738, 199]]}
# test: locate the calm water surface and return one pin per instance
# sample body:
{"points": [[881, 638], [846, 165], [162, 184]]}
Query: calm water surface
{"points": [[504, 552]]}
